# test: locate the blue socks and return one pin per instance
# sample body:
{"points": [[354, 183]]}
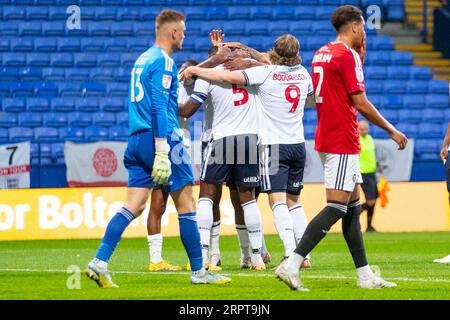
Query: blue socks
{"points": [[191, 239], [113, 234]]}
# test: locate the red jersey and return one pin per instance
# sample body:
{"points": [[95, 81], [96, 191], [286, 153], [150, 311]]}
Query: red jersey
{"points": [[336, 74]]}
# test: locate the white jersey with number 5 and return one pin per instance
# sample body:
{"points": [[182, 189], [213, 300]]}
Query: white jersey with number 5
{"points": [[282, 92], [234, 107]]}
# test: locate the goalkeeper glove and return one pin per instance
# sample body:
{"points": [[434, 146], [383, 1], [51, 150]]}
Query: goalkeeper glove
{"points": [[161, 166]]}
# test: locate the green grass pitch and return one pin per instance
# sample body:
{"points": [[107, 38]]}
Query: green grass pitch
{"points": [[38, 270]]}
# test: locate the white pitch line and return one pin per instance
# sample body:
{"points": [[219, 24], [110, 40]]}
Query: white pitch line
{"points": [[256, 275]]}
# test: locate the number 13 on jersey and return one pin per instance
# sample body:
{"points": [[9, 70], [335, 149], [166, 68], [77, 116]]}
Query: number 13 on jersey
{"points": [[136, 84]]}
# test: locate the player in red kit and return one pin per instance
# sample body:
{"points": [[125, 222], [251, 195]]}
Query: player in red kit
{"points": [[339, 89]]}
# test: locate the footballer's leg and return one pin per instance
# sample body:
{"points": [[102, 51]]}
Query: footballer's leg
{"points": [[241, 229], [155, 239], [190, 237], [214, 249], [97, 268]]}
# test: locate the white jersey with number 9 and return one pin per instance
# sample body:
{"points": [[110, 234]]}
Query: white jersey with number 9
{"points": [[282, 92]]}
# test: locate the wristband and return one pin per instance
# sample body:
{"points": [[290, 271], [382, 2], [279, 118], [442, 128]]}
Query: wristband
{"points": [[161, 145]]}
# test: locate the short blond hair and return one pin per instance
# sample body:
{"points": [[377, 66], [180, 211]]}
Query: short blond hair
{"points": [[167, 16]]}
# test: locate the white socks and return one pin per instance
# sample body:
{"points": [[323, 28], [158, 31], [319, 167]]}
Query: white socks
{"points": [[205, 221], [155, 242], [253, 222], [215, 232], [100, 263], [299, 222], [293, 263], [244, 241], [364, 272], [284, 225]]}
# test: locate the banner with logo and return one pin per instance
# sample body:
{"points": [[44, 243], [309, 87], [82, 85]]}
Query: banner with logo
{"points": [[95, 164], [15, 166], [396, 164]]}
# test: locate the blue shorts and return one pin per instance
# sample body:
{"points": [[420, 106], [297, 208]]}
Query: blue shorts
{"points": [[282, 167], [139, 158]]}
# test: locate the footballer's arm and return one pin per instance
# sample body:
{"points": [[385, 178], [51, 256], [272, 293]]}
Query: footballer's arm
{"points": [[367, 109], [189, 108], [221, 76], [310, 101]]}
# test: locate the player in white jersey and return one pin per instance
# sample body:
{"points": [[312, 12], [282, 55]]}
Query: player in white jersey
{"points": [[230, 156], [283, 89]]}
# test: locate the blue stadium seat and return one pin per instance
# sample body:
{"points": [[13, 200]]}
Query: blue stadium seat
{"points": [[391, 102], [122, 74], [115, 133], [132, 14], [263, 2], [416, 101], [53, 74], [4, 135], [116, 45], [203, 44], [14, 104], [70, 89], [71, 134], [38, 105], [4, 89], [58, 152], [69, 44], [113, 105], [99, 29], [401, 58], [375, 86], [417, 86], [54, 28], [241, 13], [37, 13], [122, 29], [87, 104], [149, 13], [108, 60], [375, 99], [38, 59], [46, 89], [84, 60], [324, 12], [193, 28], [104, 119], [92, 44], [8, 120], [9, 74], [30, 119], [391, 115], [411, 130], [395, 87], [128, 59], [196, 13], [91, 2], [5, 44], [117, 89], [46, 134], [234, 28], [305, 13], [63, 60], [260, 13], [310, 116], [18, 134], [63, 104], [440, 101], [93, 89], [102, 74], [420, 73], [122, 119], [22, 44], [283, 13], [447, 115], [96, 133], [310, 130], [55, 119], [383, 43], [9, 28], [14, 59], [396, 13], [14, 13], [423, 146], [376, 72], [378, 133], [58, 13], [102, 13], [136, 2], [314, 43], [430, 130], [322, 28], [23, 89], [307, 57], [141, 45], [30, 74], [256, 43], [439, 86], [398, 73], [433, 115], [45, 44], [379, 58], [79, 119], [143, 29], [300, 27], [254, 28], [77, 74]]}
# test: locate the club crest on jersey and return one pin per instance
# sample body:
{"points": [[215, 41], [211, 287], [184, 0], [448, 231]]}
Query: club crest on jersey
{"points": [[359, 74], [166, 81]]}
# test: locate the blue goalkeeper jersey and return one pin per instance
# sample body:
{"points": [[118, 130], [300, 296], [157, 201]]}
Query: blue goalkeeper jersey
{"points": [[153, 94]]}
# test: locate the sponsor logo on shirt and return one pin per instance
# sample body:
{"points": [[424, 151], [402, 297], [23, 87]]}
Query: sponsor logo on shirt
{"points": [[359, 74]]}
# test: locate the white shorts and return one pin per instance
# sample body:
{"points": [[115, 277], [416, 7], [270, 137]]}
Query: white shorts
{"points": [[341, 171]]}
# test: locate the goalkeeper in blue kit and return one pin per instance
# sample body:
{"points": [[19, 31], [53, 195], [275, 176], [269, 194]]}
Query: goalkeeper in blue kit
{"points": [[156, 153]]}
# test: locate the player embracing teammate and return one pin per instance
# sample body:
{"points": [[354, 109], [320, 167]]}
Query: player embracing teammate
{"points": [[338, 81]]}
